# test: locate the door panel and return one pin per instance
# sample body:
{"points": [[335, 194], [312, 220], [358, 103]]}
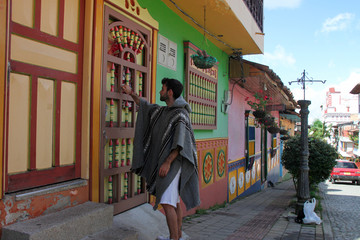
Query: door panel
{"points": [[126, 60], [43, 127]]}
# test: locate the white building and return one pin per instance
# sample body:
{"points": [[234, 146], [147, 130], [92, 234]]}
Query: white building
{"points": [[340, 107]]}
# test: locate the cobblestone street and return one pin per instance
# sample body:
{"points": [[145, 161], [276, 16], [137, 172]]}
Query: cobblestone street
{"points": [[342, 201], [260, 216]]}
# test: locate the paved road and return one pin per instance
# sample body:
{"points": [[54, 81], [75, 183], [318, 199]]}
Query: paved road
{"points": [[342, 202]]}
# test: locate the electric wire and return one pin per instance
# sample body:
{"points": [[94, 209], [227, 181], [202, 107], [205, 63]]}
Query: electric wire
{"points": [[199, 25]]}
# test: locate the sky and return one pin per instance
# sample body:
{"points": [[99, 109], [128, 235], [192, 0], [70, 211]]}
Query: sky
{"points": [[321, 37]]}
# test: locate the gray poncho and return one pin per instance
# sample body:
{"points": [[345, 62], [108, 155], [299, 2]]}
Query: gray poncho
{"points": [[158, 131]]}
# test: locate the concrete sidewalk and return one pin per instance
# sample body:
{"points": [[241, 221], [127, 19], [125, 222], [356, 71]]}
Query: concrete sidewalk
{"points": [[263, 215]]}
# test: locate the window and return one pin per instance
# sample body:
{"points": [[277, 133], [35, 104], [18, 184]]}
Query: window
{"points": [[201, 91]]}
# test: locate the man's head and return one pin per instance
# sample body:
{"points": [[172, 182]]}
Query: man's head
{"points": [[172, 85]]}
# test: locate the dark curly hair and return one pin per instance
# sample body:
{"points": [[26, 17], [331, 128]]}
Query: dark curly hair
{"points": [[173, 84]]}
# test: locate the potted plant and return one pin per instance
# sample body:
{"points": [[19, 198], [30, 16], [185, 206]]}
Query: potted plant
{"points": [[202, 60], [285, 137], [259, 114], [283, 132], [273, 129], [259, 105], [267, 120]]}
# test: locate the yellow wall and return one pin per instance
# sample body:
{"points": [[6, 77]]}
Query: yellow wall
{"points": [[287, 125]]}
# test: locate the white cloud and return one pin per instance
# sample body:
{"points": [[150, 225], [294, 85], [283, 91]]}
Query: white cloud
{"points": [[274, 4], [348, 84], [338, 23], [279, 57]]}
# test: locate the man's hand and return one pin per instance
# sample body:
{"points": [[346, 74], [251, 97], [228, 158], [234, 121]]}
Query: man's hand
{"points": [[164, 169], [127, 89]]}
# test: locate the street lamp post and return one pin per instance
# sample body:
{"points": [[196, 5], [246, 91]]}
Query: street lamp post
{"points": [[303, 191]]}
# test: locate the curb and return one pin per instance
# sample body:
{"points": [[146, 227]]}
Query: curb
{"points": [[327, 230]]}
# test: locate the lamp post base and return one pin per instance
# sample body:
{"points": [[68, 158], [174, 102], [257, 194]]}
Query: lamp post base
{"points": [[299, 211]]}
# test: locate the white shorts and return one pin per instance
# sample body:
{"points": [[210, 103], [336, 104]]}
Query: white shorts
{"points": [[171, 194]]}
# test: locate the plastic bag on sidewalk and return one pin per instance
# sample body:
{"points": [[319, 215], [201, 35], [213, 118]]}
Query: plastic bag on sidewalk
{"points": [[310, 215]]}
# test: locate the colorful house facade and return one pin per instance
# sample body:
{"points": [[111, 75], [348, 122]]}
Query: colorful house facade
{"points": [[254, 152], [67, 130]]}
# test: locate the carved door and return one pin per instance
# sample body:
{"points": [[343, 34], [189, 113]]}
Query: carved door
{"points": [[126, 60]]}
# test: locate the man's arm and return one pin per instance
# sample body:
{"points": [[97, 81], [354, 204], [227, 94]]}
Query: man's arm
{"points": [[127, 89], [165, 167]]}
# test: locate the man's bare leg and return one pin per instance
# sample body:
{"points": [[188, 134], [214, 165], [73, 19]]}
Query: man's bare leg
{"points": [[172, 221], [179, 219]]}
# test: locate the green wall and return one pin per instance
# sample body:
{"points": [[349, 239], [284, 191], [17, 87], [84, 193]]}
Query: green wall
{"points": [[177, 30]]}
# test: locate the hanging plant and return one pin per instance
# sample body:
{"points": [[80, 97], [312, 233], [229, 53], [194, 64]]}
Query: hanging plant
{"points": [[266, 121], [285, 137], [259, 114], [202, 60], [273, 129], [283, 132], [260, 103]]}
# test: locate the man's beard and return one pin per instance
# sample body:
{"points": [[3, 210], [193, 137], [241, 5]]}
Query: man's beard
{"points": [[164, 98]]}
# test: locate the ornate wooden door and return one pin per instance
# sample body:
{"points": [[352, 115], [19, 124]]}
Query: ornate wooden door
{"points": [[126, 60], [44, 88]]}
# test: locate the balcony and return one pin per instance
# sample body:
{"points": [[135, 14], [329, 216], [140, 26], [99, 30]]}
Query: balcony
{"points": [[256, 7], [232, 25]]}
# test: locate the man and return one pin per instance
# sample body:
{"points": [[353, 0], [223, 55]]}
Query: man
{"points": [[165, 152]]}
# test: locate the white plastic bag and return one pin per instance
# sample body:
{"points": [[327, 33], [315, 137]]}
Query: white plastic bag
{"points": [[310, 215]]}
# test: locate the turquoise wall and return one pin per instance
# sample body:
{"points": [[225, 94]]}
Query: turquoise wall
{"points": [[177, 30]]}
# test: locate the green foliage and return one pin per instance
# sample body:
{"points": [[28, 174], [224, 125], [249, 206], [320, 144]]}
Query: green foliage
{"points": [[260, 103], [354, 137], [218, 206], [201, 211], [319, 130], [321, 159]]}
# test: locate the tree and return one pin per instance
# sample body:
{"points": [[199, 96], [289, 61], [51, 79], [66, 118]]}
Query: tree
{"points": [[322, 158], [320, 130], [354, 137]]}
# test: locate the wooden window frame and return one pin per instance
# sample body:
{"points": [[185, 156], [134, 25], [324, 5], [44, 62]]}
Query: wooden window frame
{"points": [[204, 97]]}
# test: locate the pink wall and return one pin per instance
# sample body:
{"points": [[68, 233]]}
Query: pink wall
{"points": [[237, 124]]}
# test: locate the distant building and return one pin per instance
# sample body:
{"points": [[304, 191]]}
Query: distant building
{"points": [[346, 145], [341, 112], [356, 92], [340, 107]]}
